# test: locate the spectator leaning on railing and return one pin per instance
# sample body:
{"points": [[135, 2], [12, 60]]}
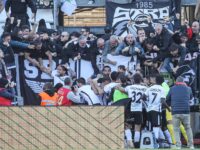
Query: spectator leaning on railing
{"points": [[7, 49], [36, 56], [162, 38]]}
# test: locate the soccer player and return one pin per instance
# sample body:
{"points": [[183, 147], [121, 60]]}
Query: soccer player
{"points": [[108, 88], [86, 93], [164, 133], [136, 92], [155, 96]]}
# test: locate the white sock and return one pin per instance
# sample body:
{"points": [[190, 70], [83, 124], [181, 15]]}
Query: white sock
{"points": [[161, 135], [128, 135], [168, 136], [156, 131], [137, 136], [149, 125]]}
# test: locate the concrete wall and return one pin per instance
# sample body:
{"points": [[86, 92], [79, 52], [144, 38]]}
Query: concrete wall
{"points": [[62, 128]]}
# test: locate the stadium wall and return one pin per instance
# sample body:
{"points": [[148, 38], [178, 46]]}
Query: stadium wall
{"points": [[61, 127]]}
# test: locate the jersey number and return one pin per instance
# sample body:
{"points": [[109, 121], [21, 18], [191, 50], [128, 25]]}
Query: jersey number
{"points": [[60, 99], [154, 98], [137, 97]]}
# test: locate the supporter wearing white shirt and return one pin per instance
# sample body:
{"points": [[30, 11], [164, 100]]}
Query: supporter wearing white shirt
{"points": [[86, 93], [59, 75]]}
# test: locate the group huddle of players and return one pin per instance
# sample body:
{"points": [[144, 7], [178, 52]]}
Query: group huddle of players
{"points": [[149, 109]]}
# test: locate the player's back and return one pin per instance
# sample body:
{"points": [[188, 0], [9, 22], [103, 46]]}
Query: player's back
{"points": [[88, 95], [154, 95], [136, 92]]}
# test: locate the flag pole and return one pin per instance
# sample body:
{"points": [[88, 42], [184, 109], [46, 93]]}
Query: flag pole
{"points": [[55, 13]]}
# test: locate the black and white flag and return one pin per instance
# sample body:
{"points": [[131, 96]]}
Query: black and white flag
{"points": [[118, 15]]}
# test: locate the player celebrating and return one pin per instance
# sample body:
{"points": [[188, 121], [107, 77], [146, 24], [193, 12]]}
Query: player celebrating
{"points": [[136, 92], [155, 96]]}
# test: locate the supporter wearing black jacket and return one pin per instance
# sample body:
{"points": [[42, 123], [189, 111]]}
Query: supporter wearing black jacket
{"points": [[177, 22], [107, 34], [176, 56], [192, 43], [81, 49], [19, 9], [37, 55], [47, 44], [60, 44], [150, 57], [162, 38], [7, 50]]}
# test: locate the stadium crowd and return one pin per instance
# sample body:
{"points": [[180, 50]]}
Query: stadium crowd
{"points": [[147, 96]]}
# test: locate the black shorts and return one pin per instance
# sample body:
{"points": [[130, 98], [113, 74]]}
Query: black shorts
{"points": [[154, 118], [164, 120], [144, 114], [138, 117]]}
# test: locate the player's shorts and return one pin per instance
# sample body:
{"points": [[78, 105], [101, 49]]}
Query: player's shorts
{"points": [[138, 117], [154, 118], [164, 120], [144, 114]]}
